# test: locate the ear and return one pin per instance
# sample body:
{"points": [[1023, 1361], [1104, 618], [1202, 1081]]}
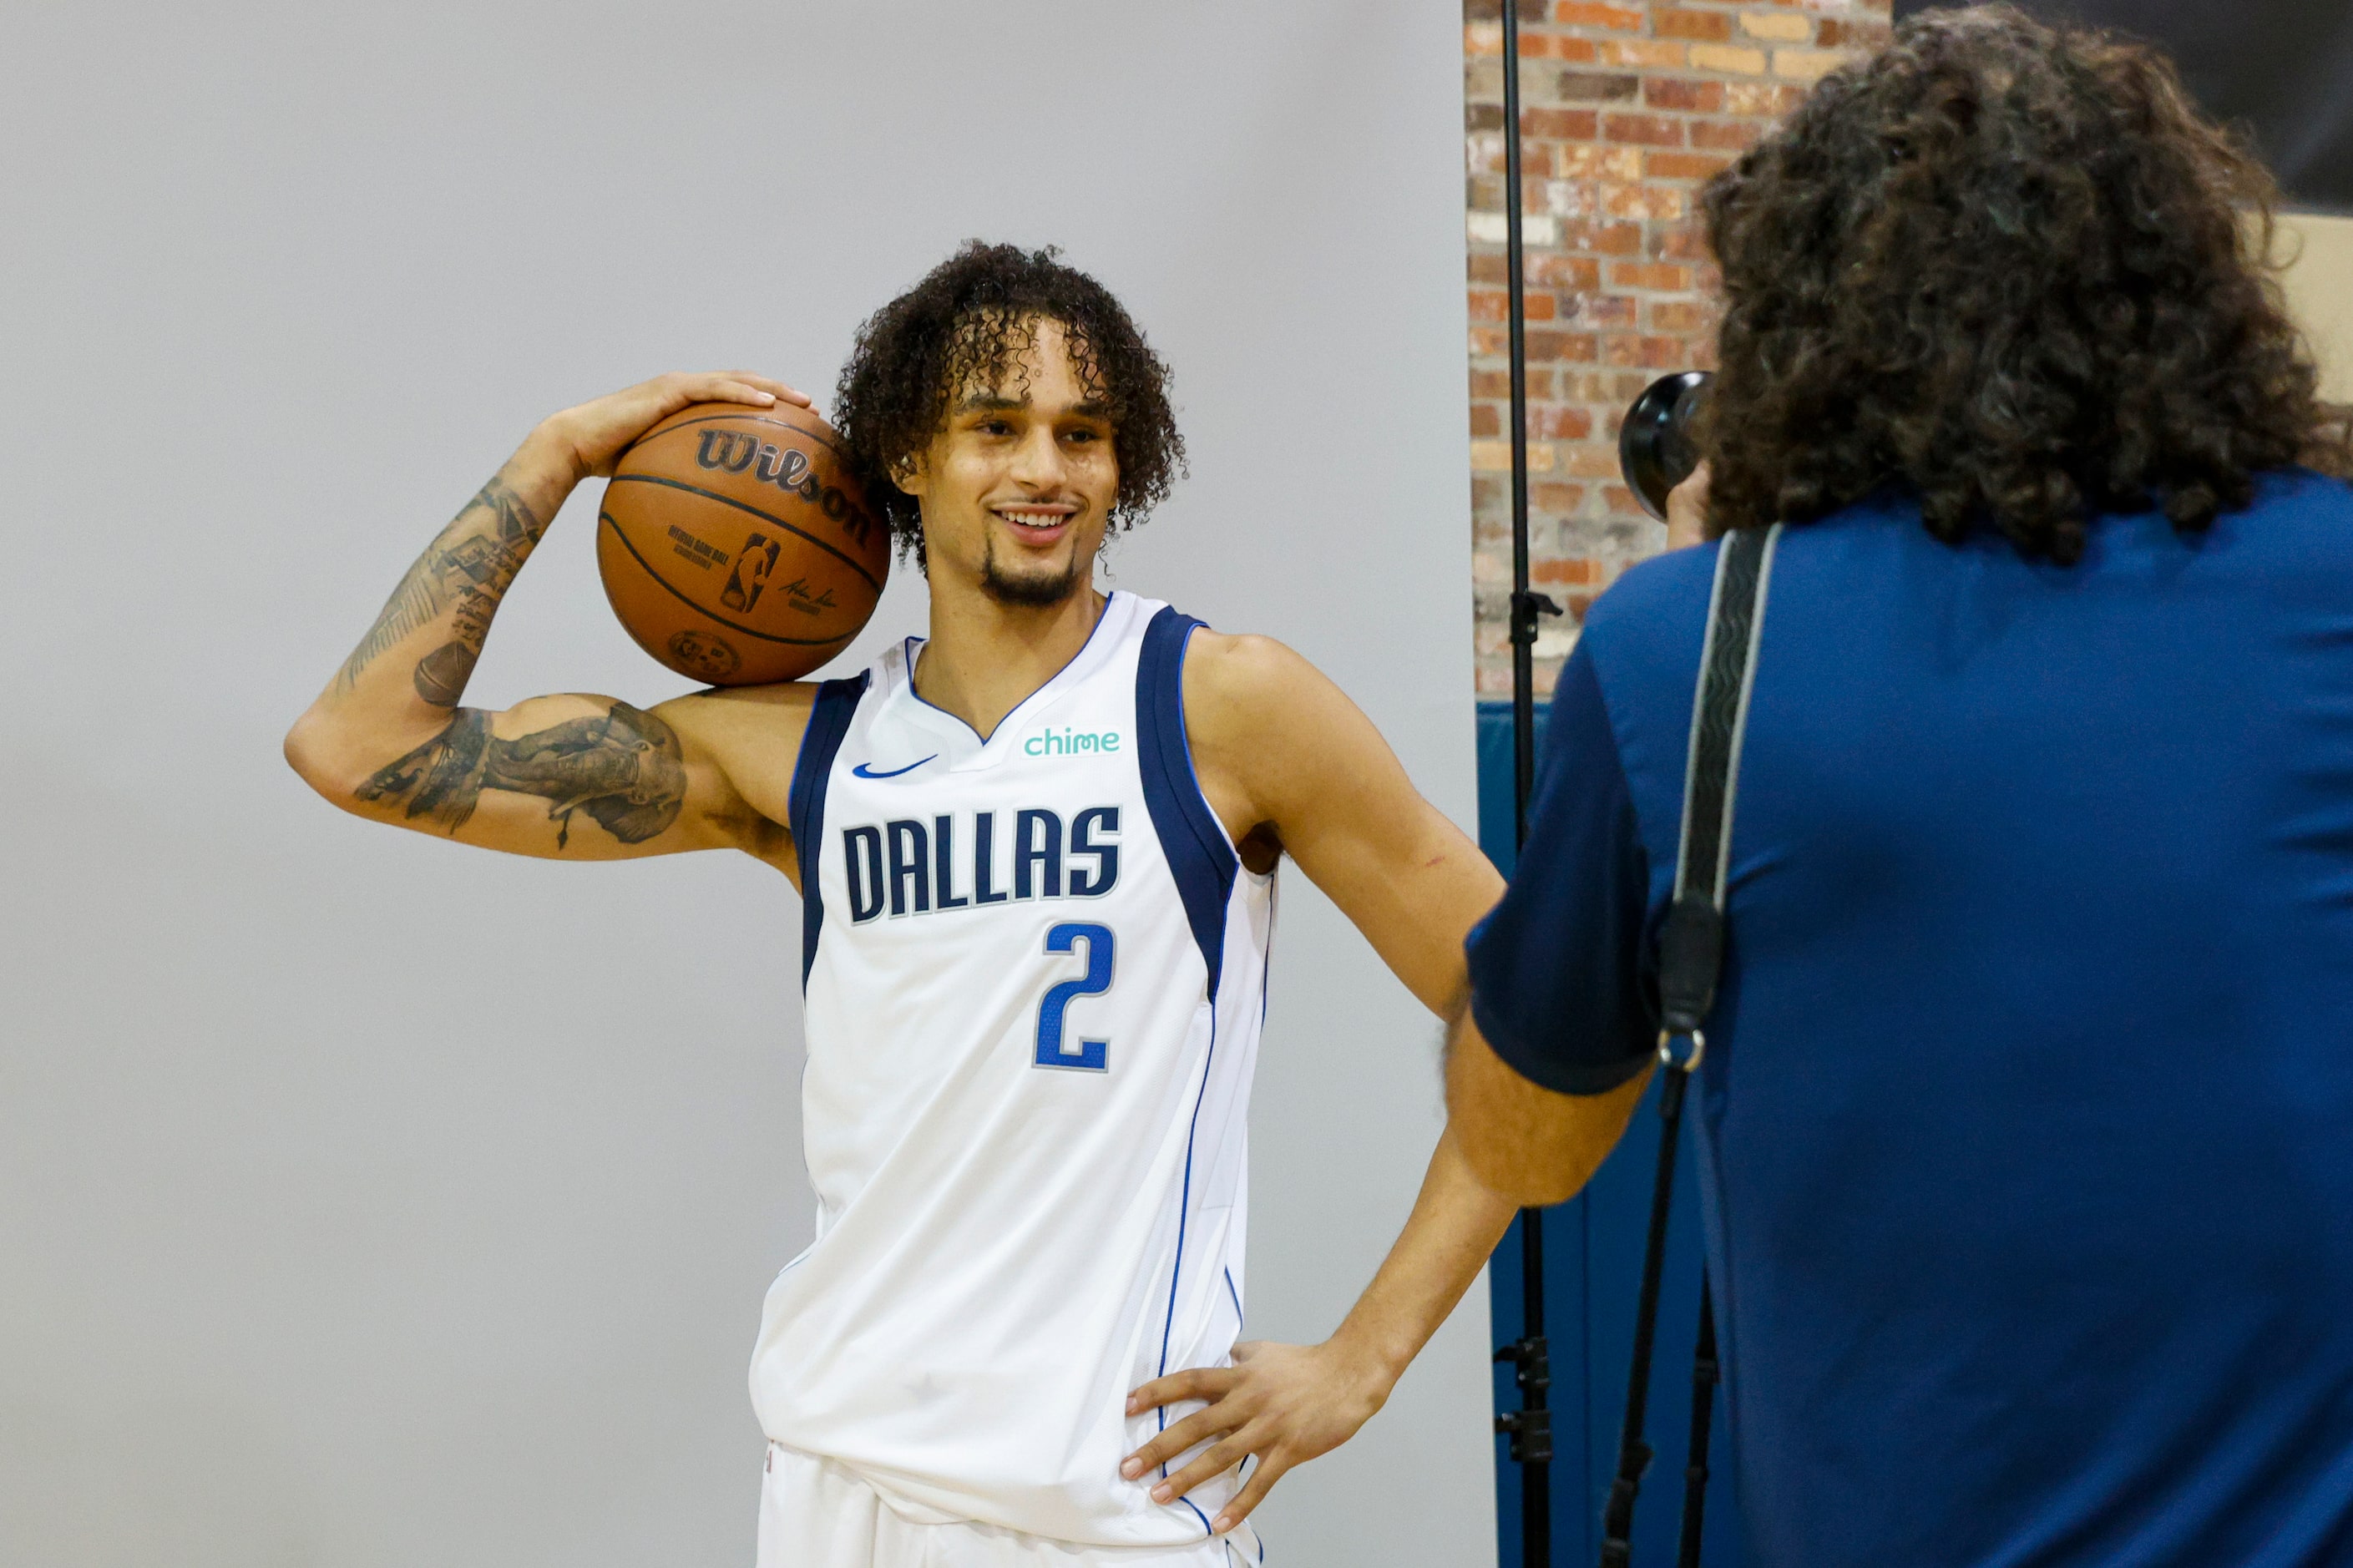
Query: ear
{"points": [[911, 474]]}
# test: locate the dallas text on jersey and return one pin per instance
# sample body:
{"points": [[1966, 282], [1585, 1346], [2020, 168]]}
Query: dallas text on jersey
{"points": [[909, 867]]}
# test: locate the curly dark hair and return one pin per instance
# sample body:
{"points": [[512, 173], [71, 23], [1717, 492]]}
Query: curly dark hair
{"points": [[2009, 269], [970, 320]]}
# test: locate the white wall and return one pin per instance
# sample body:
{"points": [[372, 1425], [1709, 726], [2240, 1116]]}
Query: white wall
{"points": [[2320, 289], [365, 1201]]}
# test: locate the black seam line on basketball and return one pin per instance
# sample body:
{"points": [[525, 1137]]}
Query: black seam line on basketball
{"points": [[607, 517], [849, 561]]}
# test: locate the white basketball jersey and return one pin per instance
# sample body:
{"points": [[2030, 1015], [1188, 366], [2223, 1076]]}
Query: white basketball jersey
{"points": [[1035, 971]]}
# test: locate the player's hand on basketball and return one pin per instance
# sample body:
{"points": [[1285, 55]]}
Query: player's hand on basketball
{"points": [[1285, 1404], [594, 434]]}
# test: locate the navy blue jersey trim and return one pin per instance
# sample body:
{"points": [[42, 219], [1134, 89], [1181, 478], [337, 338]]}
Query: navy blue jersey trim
{"points": [[828, 721], [1184, 1213], [1203, 863]]}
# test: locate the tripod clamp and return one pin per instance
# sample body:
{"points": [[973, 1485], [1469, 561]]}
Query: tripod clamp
{"points": [[1526, 608], [1529, 1429]]}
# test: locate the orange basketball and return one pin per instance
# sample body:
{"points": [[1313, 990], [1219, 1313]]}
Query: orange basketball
{"points": [[735, 546]]}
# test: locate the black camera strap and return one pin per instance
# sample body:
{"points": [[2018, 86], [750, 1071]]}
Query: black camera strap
{"points": [[1691, 961]]}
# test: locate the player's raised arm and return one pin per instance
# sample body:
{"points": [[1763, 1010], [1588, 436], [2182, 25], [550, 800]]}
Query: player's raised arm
{"points": [[1291, 766], [581, 776]]}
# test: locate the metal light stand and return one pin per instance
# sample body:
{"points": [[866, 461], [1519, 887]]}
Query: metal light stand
{"points": [[1530, 1426]]}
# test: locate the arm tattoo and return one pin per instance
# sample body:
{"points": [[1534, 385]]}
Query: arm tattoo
{"points": [[468, 568], [622, 769]]}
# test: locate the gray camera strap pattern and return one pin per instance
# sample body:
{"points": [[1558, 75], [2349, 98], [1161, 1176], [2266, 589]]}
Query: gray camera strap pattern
{"points": [[1691, 962]]}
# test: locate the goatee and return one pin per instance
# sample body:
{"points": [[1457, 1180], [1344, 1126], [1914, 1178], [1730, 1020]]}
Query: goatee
{"points": [[1028, 592]]}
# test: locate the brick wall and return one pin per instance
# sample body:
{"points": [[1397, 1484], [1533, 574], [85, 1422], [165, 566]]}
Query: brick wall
{"points": [[1625, 108]]}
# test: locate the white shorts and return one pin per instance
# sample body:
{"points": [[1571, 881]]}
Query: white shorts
{"points": [[815, 1514]]}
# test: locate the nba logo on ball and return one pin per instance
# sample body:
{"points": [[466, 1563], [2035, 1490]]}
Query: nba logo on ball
{"points": [[750, 573], [736, 545]]}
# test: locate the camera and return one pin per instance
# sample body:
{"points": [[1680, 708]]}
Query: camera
{"points": [[1656, 449]]}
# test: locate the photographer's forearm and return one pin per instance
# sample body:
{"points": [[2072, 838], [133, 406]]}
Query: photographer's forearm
{"points": [[1529, 1143]]}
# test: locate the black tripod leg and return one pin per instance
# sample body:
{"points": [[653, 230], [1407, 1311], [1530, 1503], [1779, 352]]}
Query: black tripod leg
{"points": [[1704, 1377], [1634, 1452]]}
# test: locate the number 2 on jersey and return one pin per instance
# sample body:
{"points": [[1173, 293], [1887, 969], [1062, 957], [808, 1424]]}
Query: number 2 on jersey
{"points": [[1054, 1050]]}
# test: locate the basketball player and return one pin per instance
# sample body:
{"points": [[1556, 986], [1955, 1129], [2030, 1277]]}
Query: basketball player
{"points": [[1037, 857]]}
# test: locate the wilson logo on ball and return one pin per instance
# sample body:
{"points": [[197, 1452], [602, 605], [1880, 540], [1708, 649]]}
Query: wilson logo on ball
{"points": [[786, 468]]}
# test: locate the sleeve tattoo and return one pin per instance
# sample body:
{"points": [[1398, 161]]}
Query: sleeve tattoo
{"points": [[468, 568], [623, 769]]}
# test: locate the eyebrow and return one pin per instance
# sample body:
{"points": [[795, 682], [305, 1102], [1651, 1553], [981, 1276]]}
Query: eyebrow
{"points": [[991, 403]]}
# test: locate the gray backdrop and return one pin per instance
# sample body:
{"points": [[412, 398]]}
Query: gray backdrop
{"points": [[365, 1201]]}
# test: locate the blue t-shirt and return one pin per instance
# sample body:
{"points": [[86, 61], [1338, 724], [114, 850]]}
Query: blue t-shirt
{"points": [[2026, 1122]]}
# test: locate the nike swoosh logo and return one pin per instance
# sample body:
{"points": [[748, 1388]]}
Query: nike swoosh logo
{"points": [[865, 772]]}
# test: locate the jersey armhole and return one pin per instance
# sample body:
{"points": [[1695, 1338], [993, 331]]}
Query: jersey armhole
{"points": [[1191, 836], [828, 722]]}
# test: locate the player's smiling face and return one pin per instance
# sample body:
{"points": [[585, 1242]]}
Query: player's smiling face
{"points": [[1016, 489]]}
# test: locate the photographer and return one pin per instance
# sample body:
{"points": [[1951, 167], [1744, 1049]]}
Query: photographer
{"points": [[2026, 1110]]}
